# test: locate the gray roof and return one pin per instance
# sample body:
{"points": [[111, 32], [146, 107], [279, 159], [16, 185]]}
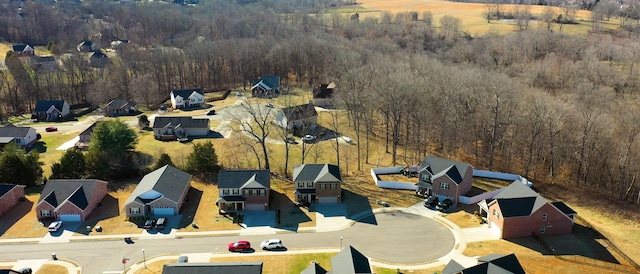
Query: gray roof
{"points": [[5, 188], [452, 267], [89, 130], [239, 178], [440, 166], [518, 200], [300, 112], [167, 180], [490, 264], [218, 268], [76, 191], [119, 103], [317, 173], [185, 93], [44, 105], [350, 261], [14, 131], [314, 268], [183, 121]]}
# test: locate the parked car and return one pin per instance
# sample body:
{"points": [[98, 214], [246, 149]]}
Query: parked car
{"points": [[161, 223], [25, 270], [55, 226], [269, 105], [183, 259], [444, 205], [238, 94], [149, 224], [292, 141], [211, 112], [308, 138], [431, 202], [239, 246], [271, 244], [51, 129]]}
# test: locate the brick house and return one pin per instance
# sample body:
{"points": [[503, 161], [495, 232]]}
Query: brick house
{"points": [[240, 190], [70, 199], [493, 263], [10, 195], [317, 183], [444, 178], [160, 192], [348, 261], [518, 211]]}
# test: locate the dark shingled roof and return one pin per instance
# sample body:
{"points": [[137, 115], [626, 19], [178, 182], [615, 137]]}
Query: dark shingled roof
{"points": [[440, 166], [76, 191], [218, 268], [244, 178], [44, 105], [559, 205], [167, 180], [317, 173], [516, 207], [120, 103], [490, 264], [185, 93], [183, 121], [518, 199], [350, 261], [13, 131], [324, 91], [89, 130], [5, 188], [20, 48], [314, 268], [299, 112], [268, 81]]}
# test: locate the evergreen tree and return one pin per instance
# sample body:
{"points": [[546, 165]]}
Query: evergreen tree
{"points": [[72, 165], [109, 156], [19, 167], [203, 161], [162, 161]]}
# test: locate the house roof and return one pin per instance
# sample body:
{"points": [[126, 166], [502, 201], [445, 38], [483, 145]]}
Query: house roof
{"points": [[490, 264], [98, 54], [89, 130], [314, 268], [21, 48], [234, 198], [167, 180], [299, 112], [14, 131], [559, 205], [350, 260], [244, 179], [518, 199], [268, 81], [183, 121], [317, 173], [440, 166], [5, 188], [324, 91], [44, 105], [119, 103], [219, 268], [452, 267], [76, 191], [185, 93], [44, 59]]}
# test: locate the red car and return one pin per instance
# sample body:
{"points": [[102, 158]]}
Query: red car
{"points": [[51, 129], [239, 246]]}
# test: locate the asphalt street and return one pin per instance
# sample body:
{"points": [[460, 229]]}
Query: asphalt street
{"points": [[394, 237]]}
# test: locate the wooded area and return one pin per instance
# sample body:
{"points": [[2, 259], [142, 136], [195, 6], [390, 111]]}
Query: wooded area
{"points": [[554, 107]]}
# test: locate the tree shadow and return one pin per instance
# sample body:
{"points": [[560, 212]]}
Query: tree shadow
{"points": [[106, 209], [358, 207], [13, 215], [40, 147], [288, 216], [190, 207]]}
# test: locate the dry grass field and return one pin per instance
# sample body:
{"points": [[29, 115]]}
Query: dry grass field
{"points": [[52, 269], [21, 220]]}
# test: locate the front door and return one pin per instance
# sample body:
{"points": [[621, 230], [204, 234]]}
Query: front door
{"points": [[239, 206]]}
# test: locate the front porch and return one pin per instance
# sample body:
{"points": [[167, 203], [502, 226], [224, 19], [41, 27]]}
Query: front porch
{"points": [[305, 196], [228, 204]]}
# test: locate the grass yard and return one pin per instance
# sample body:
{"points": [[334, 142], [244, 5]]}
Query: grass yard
{"points": [[110, 215], [488, 184], [202, 204], [155, 267], [21, 220], [52, 269], [463, 219], [47, 147]]}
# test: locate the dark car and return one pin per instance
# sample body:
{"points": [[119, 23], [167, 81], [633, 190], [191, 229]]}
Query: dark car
{"points": [[444, 205], [239, 246], [149, 224], [51, 129], [431, 202], [25, 270], [211, 112]]}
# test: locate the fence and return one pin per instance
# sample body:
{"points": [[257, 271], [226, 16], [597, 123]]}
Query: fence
{"points": [[501, 176], [610, 245], [597, 263], [479, 197], [391, 184]]}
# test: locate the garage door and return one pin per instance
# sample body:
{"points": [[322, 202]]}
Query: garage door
{"points": [[163, 211], [70, 217], [327, 200], [495, 230], [254, 207]]}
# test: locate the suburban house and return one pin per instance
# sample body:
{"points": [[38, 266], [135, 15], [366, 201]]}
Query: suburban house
{"points": [[70, 199], [518, 211], [217, 267], [52, 110], [444, 178], [347, 261], [98, 59], [10, 195], [118, 43], [24, 50], [268, 86], [86, 46], [187, 98], [24, 136], [160, 192], [44, 63], [301, 117], [243, 190], [323, 95], [317, 183], [120, 106], [85, 137], [490, 264], [172, 128]]}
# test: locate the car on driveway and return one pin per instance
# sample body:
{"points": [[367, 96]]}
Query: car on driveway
{"points": [[271, 244], [239, 246], [51, 129], [444, 205], [149, 224], [55, 226], [211, 112], [431, 202], [308, 138]]}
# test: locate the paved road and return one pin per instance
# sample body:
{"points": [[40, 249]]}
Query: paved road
{"points": [[394, 237]]}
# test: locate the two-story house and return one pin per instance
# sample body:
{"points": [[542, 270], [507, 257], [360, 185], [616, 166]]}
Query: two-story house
{"points": [[444, 178], [187, 98], [317, 183], [241, 190]]}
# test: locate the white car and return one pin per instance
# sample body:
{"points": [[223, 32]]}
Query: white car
{"points": [[55, 226], [308, 138], [271, 244]]}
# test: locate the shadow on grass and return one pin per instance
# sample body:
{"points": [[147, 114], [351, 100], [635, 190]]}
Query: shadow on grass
{"points": [[288, 216], [14, 214], [190, 207], [108, 209], [40, 147], [358, 207]]}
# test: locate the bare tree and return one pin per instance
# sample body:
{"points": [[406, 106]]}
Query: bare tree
{"points": [[254, 121]]}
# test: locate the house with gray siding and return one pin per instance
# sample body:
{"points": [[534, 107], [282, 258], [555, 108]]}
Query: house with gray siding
{"points": [[23, 136], [241, 190], [160, 192], [317, 183], [172, 128]]}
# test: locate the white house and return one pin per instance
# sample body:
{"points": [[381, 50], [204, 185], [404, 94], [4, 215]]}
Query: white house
{"points": [[24, 136], [187, 98]]}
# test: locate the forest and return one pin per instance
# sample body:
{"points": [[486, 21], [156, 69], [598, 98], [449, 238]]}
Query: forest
{"points": [[555, 107]]}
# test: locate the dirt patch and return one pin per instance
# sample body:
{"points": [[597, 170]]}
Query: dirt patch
{"points": [[52, 269]]}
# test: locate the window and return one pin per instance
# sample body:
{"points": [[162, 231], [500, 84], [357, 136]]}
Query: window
{"points": [[134, 210], [543, 229], [236, 191], [323, 186], [544, 216], [247, 192], [424, 177], [225, 192], [300, 185], [263, 192], [333, 186], [444, 185], [45, 213], [496, 214], [19, 141], [309, 184]]}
